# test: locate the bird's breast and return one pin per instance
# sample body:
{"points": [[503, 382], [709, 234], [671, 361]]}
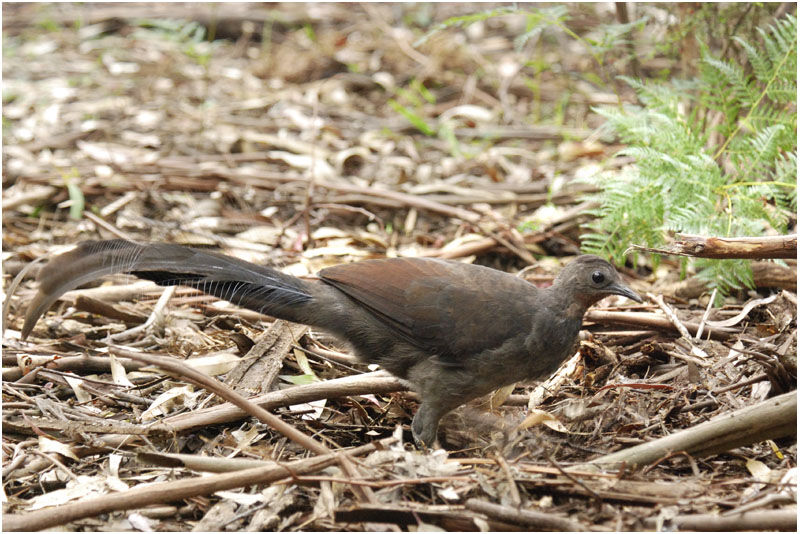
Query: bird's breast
{"points": [[549, 344]]}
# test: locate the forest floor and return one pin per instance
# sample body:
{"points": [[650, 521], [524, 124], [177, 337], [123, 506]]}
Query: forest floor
{"points": [[304, 136]]}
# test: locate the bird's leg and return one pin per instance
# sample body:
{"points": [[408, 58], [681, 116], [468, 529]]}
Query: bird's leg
{"points": [[437, 400], [426, 423], [441, 389]]}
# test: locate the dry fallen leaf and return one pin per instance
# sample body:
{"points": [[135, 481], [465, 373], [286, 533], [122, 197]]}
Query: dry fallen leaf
{"points": [[540, 417]]}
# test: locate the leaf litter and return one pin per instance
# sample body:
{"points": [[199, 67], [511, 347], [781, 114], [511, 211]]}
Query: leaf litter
{"points": [[277, 142]]}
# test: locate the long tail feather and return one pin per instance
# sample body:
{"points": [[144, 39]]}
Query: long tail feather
{"points": [[245, 284]]}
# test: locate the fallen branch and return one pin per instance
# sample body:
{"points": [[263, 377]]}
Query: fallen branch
{"points": [[195, 462], [751, 248], [763, 520], [376, 382], [257, 370], [651, 320], [180, 369], [175, 491], [771, 419], [25, 363]]}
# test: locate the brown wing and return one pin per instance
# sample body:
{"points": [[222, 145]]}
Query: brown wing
{"points": [[447, 307]]}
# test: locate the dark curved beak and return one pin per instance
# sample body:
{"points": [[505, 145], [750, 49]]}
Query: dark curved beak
{"points": [[618, 288]]}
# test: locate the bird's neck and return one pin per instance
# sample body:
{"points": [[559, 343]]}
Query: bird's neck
{"points": [[567, 301]]}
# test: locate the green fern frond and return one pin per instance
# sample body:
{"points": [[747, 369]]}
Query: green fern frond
{"points": [[745, 186], [724, 275]]}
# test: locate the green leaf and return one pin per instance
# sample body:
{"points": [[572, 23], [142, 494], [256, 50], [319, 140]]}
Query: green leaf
{"points": [[302, 380], [417, 121], [77, 200]]}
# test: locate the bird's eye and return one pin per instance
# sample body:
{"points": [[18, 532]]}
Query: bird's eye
{"points": [[598, 277]]}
